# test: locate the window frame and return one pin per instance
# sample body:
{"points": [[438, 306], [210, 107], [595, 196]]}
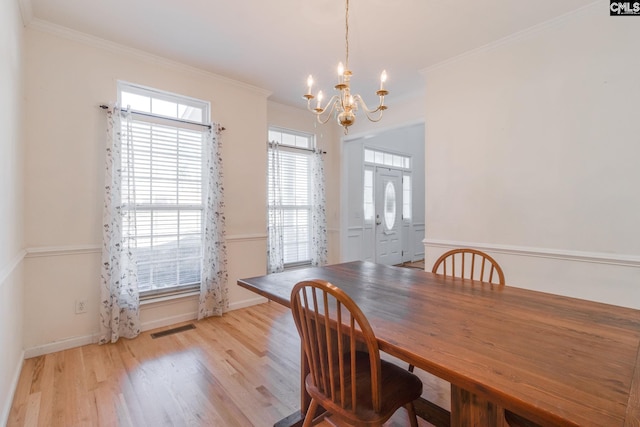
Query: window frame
{"points": [[177, 123], [300, 151]]}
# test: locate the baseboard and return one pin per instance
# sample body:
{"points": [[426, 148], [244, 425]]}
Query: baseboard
{"points": [[61, 345], [167, 321], [185, 317], [159, 323], [6, 407], [247, 303]]}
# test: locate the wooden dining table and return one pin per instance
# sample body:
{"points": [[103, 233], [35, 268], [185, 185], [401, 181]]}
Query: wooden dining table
{"points": [[556, 360]]}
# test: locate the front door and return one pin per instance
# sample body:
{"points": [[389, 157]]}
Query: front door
{"points": [[388, 216]]}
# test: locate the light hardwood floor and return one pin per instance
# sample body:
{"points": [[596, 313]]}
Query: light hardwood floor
{"points": [[242, 369]]}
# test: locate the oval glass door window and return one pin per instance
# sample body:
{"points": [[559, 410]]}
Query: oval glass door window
{"points": [[389, 205]]}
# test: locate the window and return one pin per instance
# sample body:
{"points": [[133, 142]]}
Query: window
{"points": [[395, 161], [164, 195], [368, 194], [389, 206], [295, 151], [406, 197]]}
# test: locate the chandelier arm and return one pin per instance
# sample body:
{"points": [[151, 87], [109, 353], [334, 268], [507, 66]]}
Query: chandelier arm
{"points": [[328, 109], [379, 109], [319, 110]]}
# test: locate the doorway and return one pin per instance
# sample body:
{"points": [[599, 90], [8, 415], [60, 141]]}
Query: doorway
{"points": [[382, 192]]}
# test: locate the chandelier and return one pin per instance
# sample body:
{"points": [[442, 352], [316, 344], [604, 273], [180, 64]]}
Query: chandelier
{"points": [[344, 105]]}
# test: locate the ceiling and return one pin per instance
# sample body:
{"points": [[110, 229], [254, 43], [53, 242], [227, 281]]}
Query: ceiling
{"points": [[276, 44]]}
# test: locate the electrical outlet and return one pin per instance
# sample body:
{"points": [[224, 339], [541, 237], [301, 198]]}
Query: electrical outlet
{"points": [[81, 306]]}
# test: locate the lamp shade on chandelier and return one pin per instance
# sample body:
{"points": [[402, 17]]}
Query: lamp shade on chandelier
{"points": [[344, 104]]}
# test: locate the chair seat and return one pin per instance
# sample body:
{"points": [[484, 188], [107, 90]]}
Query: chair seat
{"points": [[398, 387]]}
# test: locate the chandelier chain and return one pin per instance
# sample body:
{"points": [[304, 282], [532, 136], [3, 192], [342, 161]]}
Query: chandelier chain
{"points": [[346, 34]]}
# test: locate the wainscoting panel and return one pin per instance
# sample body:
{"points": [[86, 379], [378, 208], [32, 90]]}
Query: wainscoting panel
{"points": [[608, 278], [56, 276], [416, 241], [11, 340], [353, 250]]}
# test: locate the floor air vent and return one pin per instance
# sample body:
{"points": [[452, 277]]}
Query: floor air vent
{"points": [[173, 331]]}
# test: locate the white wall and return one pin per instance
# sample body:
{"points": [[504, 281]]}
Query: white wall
{"points": [[68, 75], [11, 254], [532, 153]]}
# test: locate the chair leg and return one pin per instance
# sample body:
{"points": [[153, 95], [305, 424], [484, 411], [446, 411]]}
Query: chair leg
{"points": [[411, 411], [311, 411]]}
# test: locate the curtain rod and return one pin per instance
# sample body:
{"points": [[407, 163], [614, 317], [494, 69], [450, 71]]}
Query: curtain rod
{"points": [[270, 143], [106, 107]]}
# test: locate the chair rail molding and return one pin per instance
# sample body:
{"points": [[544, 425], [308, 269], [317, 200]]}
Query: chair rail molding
{"points": [[48, 251], [6, 270], [246, 237], [561, 254]]}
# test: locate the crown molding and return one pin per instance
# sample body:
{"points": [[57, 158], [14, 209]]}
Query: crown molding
{"points": [[100, 43], [512, 38]]}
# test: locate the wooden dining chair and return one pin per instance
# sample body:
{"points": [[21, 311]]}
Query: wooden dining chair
{"points": [[469, 264], [347, 377], [476, 265]]}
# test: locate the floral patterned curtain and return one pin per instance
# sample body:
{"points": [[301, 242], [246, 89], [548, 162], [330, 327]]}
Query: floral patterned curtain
{"points": [[318, 212], [275, 220], [120, 300], [214, 298]]}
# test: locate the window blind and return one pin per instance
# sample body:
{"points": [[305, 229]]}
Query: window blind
{"points": [[295, 193], [162, 193]]}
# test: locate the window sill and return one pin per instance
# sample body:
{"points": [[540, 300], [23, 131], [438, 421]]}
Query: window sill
{"points": [[297, 266], [163, 298]]}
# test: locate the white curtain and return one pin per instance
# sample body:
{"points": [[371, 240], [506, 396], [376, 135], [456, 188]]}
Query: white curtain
{"points": [[120, 300], [275, 220], [214, 298], [318, 211]]}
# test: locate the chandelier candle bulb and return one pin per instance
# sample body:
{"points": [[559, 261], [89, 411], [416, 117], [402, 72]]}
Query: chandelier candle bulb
{"points": [[319, 100], [310, 83], [383, 78]]}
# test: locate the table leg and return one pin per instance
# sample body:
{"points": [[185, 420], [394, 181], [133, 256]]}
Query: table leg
{"points": [[468, 409]]}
